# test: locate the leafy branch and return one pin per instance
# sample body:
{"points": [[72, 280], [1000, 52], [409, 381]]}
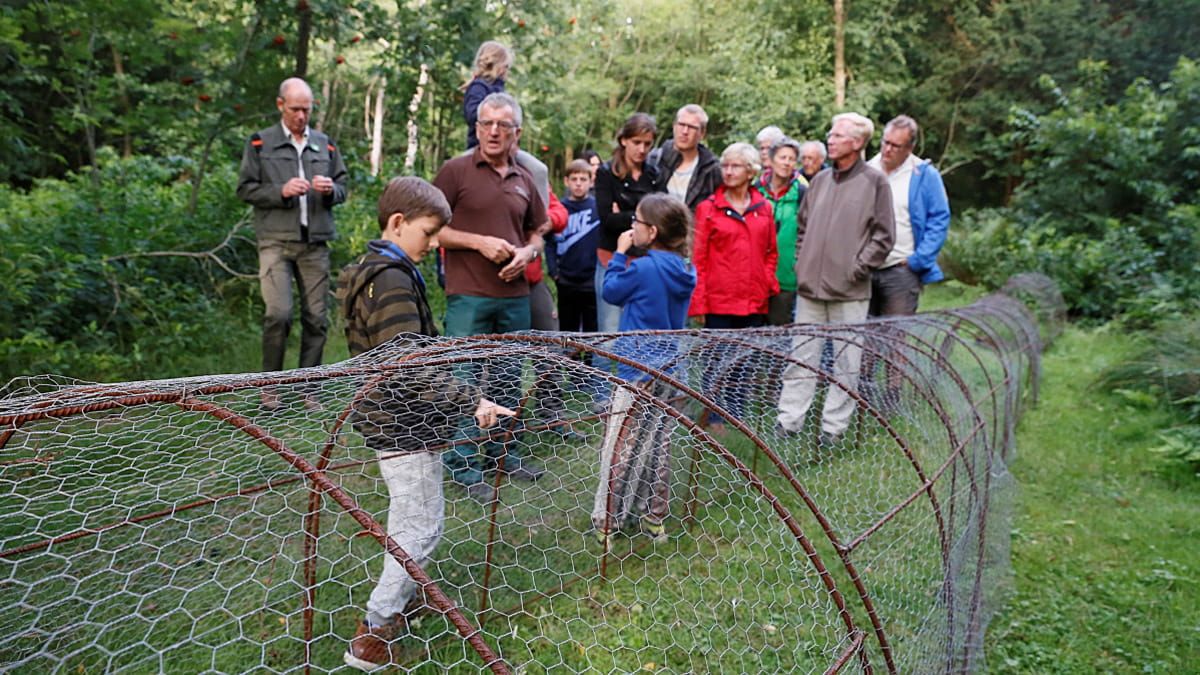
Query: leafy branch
{"points": [[210, 254]]}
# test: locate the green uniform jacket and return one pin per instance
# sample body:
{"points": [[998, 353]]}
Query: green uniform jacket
{"points": [[785, 228], [268, 162]]}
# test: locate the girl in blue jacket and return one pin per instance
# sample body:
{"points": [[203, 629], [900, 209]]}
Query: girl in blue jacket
{"points": [[654, 291]]}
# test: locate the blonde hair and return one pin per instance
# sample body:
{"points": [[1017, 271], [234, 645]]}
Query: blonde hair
{"points": [[490, 59], [578, 166], [862, 126]]}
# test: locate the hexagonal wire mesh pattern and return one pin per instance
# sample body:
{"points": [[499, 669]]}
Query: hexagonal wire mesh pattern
{"points": [[657, 517]]}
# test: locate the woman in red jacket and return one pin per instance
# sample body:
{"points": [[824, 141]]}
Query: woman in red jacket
{"points": [[735, 257], [734, 250]]}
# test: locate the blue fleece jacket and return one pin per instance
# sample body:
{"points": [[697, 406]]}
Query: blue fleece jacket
{"points": [[575, 246], [929, 212], [476, 91], [654, 292]]}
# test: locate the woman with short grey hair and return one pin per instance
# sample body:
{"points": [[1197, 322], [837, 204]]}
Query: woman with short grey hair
{"points": [[782, 185], [735, 258]]}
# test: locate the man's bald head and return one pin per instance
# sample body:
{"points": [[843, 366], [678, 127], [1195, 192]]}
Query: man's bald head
{"points": [[295, 105], [292, 83]]}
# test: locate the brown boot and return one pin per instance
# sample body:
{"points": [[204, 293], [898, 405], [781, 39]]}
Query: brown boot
{"points": [[369, 649], [312, 403]]}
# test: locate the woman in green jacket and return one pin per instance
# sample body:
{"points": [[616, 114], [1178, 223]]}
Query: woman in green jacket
{"points": [[784, 187]]}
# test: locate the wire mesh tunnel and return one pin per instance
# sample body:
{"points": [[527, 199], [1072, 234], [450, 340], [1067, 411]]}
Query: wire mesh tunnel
{"points": [[801, 499]]}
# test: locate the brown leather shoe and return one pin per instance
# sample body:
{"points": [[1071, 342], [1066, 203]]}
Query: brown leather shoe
{"points": [[369, 649]]}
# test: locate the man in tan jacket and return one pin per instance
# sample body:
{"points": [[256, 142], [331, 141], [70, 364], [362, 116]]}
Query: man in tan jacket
{"points": [[845, 229]]}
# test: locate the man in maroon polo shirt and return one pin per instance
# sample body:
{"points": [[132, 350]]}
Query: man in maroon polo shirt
{"points": [[495, 231]]}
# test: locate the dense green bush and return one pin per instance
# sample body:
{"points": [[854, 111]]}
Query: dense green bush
{"points": [[1108, 205], [83, 297], [1166, 369], [82, 300]]}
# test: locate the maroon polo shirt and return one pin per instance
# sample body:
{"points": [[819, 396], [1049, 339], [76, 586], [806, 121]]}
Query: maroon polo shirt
{"points": [[484, 202]]}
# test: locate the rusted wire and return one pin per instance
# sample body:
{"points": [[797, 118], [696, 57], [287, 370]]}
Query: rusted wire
{"points": [[181, 525]]}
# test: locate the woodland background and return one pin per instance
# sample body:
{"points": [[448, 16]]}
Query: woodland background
{"points": [[1068, 132]]}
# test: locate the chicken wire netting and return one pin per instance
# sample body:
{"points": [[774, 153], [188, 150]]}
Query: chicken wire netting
{"points": [[650, 506]]}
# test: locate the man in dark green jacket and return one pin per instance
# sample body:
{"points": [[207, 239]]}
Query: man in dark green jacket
{"points": [[293, 176]]}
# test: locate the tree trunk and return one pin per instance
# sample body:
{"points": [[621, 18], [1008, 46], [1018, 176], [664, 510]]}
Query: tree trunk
{"points": [[305, 31], [324, 105], [123, 94], [410, 157], [839, 53], [377, 129], [367, 108]]}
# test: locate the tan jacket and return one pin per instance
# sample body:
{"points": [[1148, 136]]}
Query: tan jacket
{"points": [[844, 229]]}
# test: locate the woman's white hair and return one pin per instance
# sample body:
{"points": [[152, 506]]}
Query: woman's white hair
{"points": [[770, 134], [863, 127], [745, 152]]}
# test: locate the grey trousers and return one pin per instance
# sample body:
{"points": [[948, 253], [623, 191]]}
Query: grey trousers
{"points": [[895, 291], [279, 262], [781, 309], [800, 383], [416, 511], [543, 313], [635, 462]]}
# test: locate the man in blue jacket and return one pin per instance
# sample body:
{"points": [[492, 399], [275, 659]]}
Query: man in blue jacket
{"points": [[922, 218]]}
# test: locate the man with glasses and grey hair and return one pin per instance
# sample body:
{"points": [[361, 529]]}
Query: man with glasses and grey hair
{"points": [[690, 170], [922, 214], [812, 160], [844, 229], [498, 219]]}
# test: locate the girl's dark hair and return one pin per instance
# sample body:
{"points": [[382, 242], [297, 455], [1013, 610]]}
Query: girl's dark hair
{"points": [[672, 218], [636, 125]]}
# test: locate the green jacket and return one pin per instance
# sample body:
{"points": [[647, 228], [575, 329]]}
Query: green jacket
{"points": [[786, 208], [269, 161]]}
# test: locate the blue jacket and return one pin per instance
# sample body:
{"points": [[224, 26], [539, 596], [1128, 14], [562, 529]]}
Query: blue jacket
{"points": [[476, 91], [929, 212], [575, 246], [654, 292]]}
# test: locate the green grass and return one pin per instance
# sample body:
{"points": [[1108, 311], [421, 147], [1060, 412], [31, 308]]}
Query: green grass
{"points": [[1106, 541]]}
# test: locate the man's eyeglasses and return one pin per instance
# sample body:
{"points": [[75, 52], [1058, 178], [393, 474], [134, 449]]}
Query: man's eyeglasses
{"points": [[689, 127], [895, 146], [727, 166], [503, 125]]}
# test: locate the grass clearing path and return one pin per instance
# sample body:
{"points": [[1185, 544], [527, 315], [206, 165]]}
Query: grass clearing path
{"points": [[1106, 542]]}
